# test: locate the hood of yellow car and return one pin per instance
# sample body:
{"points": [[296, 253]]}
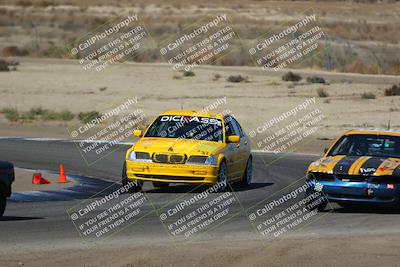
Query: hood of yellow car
{"points": [[179, 146], [357, 165]]}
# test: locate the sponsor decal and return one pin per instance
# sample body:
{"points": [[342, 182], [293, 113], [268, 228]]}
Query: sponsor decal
{"points": [[372, 163], [367, 170], [188, 119]]}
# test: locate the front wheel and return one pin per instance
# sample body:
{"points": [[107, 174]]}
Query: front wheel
{"points": [[248, 172], [137, 185], [223, 177]]}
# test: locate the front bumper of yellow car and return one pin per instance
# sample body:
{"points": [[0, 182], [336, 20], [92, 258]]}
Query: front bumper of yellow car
{"points": [[172, 173]]}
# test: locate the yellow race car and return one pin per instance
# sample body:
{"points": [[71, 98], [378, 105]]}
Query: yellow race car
{"points": [[189, 147]]}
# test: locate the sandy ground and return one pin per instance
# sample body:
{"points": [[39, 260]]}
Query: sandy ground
{"points": [[342, 250], [23, 181], [64, 85]]}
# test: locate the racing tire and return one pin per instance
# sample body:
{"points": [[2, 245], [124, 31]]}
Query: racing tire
{"points": [[136, 188], [3, 200], [223, 177], [248, 173], [160, 184]]}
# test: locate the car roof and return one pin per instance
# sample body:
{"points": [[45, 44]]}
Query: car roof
{"points": [[375, 131], [192, 113]]}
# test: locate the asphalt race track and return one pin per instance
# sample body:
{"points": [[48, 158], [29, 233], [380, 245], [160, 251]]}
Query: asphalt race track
{"points": [[45, 222]]}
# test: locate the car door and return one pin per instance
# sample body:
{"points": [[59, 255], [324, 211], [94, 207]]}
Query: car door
{"points": [[233, 153], [244, 148]]}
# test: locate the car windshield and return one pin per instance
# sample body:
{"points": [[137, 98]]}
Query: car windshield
{"points": [[186, 127], [367, 145]]}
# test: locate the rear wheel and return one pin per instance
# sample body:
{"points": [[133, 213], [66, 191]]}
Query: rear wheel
{"points": [[137, 185], [3, 200], [223, 177], [248, 173], [160, 184]]}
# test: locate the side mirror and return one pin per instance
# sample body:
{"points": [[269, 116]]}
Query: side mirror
{"points": [[325, 150], [137, 133], [233, 139]]}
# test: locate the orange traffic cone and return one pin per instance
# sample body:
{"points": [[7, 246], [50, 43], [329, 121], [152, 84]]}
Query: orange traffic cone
{"points": [[38, 179], [62, 178]]}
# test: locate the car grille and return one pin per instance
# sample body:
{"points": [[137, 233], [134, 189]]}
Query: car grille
{"points": [[169, 158], [352, 178]]}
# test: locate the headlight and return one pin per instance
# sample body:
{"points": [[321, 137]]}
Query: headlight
{"points": [[139, 156], [132, 156], [197, 160], [202, 160], [211, 160]]}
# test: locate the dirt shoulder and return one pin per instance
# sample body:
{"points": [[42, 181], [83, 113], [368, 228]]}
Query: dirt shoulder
{"points": [[59, 85], [335, 251]]}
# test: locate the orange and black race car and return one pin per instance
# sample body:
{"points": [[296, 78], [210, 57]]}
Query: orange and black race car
{"points": [[362, 166]]}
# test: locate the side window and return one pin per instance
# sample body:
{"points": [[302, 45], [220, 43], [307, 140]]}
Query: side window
{"points": [[236, 129], [241, 133], [228, 126]]}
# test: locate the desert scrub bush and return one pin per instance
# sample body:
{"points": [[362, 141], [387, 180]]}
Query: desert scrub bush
{"points": [[216, 77], [37, 111], [368, 96], [392, 91], [86, 117], [24, 3], [8, 65], [57, 116], [237, 79], [322, 92], [315, 79], [291, 77], [11, 114], [176, 77], [359, 67], [14, 51], [188, 73]]}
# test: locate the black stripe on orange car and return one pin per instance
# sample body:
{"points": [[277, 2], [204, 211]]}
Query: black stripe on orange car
{"points": [[371, 165], [343, 166]]}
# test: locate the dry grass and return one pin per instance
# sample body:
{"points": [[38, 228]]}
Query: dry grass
{"points": [[58, 25]]}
